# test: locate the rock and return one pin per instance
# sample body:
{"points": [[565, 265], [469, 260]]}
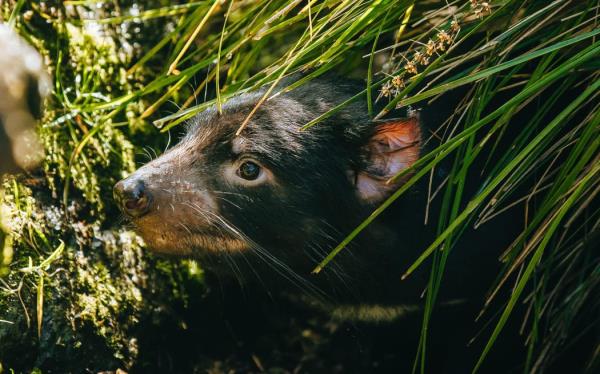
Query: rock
{"points": [[23, 86]]}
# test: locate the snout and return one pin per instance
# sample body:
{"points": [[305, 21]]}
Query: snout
{"points": [[133, 197]]}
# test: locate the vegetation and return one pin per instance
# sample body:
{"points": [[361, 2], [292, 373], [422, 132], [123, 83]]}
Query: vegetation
{"points": [[126, 74]]}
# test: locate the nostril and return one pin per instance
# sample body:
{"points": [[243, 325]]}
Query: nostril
{"points": [[132, 197], [136, 203]]}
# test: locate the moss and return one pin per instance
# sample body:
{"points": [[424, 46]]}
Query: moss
{"points": [[6, 251], [94, 289]]}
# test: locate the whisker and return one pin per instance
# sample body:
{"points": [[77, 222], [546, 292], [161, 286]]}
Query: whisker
{"points": [[229, 202], [168, 142], [232, 193], [200, 211], [235, 270], [185, 227], [145, 153], [280, 267], [275, 263]]}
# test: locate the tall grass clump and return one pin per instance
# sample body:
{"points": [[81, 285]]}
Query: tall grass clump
{"points": [[527, 125]]}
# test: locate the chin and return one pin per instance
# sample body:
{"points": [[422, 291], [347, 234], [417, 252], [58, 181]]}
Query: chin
{"points": [[185, 244]]}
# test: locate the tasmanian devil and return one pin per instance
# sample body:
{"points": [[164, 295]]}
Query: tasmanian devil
{"points": [[267, 205]]}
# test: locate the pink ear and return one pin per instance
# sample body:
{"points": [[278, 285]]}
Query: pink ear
{"points": [[394, 147]]}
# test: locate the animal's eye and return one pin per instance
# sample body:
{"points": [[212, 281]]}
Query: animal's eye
{"points": [[249, 170]]}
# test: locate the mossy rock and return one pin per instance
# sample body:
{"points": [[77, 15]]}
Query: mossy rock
{"points": [[77, 288]]}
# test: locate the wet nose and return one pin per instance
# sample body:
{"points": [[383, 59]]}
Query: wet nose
{"points": [[132, 197]]}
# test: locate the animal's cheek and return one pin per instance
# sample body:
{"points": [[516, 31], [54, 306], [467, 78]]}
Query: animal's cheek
{"points": [[179, 211], [163, 238]]}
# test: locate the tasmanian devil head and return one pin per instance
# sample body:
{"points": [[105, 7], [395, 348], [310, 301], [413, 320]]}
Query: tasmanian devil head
{"points": [[273, 190]]}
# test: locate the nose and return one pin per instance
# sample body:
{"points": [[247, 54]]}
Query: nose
{"points": [[132, 197]]}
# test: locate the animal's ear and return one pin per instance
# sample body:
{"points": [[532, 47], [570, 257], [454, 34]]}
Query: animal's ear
{"points": [[393, 147]]}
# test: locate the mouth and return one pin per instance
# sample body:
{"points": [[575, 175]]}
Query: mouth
{"points": [[181, 241], [216, 244]]}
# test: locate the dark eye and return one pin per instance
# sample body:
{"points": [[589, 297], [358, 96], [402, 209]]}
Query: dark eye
{"points": [[249, 170]]}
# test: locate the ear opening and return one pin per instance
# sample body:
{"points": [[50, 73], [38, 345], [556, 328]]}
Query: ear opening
{"points": [[394, 146]]}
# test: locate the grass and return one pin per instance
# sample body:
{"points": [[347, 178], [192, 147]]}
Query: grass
{"points": [[544, 53]]}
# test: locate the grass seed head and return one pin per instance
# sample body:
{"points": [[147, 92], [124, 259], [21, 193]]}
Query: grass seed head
{"points": [[444, 37], [454, 26], [398, 82], [411, 67], [386, 90], [430, 48]]}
